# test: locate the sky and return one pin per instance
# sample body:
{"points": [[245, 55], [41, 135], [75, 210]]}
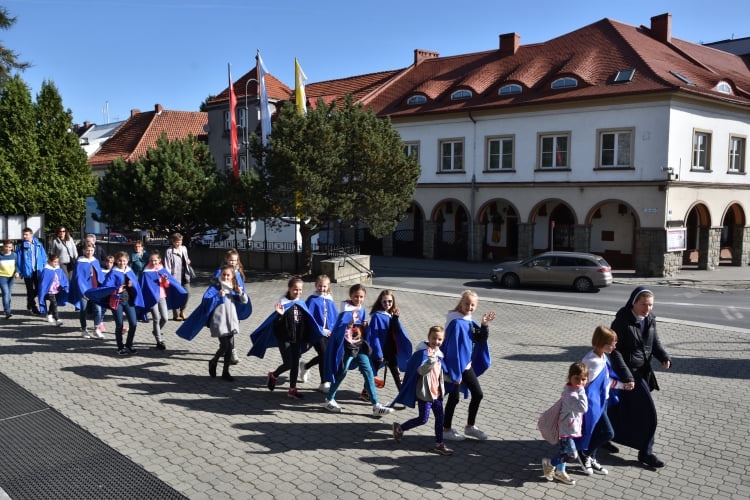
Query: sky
{"points": [[107, 57]]}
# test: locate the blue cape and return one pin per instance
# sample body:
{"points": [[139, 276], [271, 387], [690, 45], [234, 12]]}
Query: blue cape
{"points": [[334, 353], [149, 282], [596, 392], [318, 307], [81, 279], [377, 332], [264, 337], [407, 395], [114, 280], [200, 317], [45, 282], [459, 349]]}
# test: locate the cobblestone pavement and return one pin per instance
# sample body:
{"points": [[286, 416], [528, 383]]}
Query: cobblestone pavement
{"points": [[208, 438]]}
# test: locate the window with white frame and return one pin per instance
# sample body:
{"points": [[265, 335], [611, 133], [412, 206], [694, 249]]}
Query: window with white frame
{"points": [[701, 150], [242, 118], [737, 154], [228, 163], [227, 121], [615, 148], [411, 149], [564, 83], [451, 155], [500, 153], [511, 88], [416, 99], [460, 94], [554, 150]]}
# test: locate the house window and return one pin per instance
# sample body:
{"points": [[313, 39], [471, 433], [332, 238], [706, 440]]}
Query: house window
{"points": [[242, 120], [564, 83], [451, 155], [227, 121], [625, 75], [228, 163], [736, 154], [412, 149], [554, 151], [701, 151], [724, 87], [500, 153], [416, 99], [460, 94], [511, 88], [616, 148]]}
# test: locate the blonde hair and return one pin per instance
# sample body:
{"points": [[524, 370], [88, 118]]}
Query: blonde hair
{"points": [[434, 330], [466, 295], [603, 336]]}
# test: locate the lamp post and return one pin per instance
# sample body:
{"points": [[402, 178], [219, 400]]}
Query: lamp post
{"points": [[246, 131]]}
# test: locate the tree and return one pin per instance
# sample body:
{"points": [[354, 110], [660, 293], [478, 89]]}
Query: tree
{"points": [[23, 189], [67, 174], [335, 164], [8, 59], [175, 187]]}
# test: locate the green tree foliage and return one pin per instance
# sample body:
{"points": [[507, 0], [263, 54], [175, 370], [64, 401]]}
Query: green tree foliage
{"points": [[335, 164], [8, 59], [68, 179], [175, 187], [21, 173]]}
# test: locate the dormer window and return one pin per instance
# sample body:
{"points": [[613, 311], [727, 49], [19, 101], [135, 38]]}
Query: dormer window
{"points": [[460, 95], [625, 75], [511, 88], [724, 87], [683, 78], [416, 99], [564, 83]]}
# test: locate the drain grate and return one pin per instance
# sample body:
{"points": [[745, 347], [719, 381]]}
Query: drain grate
{"points": [[43, 455]]}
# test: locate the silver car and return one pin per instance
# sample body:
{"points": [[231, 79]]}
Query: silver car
{"points": [[583, 271]]}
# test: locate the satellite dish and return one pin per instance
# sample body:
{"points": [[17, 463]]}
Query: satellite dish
{"points": [[207, 128]]}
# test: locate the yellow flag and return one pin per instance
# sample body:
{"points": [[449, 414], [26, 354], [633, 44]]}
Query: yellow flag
{"points": [[299, 88]]}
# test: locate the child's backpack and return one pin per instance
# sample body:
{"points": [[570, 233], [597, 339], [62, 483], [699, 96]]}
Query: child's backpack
{"points": [[548, 423]]}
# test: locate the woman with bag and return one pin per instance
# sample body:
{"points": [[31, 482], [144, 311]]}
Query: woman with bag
{"points": [[65, 248], [177, 262]]}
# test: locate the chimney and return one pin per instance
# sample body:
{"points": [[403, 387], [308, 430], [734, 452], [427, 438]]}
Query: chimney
{"points": [[420, 55], [86, 125], [158, 108], [661, 27], [134, 112], [509, 43]]}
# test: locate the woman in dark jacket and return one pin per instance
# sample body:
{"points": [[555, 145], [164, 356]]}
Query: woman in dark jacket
{"points": [[634, 417]]}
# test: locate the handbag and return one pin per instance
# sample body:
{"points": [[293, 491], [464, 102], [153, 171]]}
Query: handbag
{"points": [[114, 301], [190, 271], [548, 423]]}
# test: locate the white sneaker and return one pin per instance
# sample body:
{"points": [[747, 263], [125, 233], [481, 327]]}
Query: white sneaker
{"points": [[235, 360], [474, 432], [101, 328], [379, 410], [548, 469], [50, 319], [59, 322], [332, 406], [563, 477], [304, 373], [324, 387], [97, 334], [596, 467], [452, 435], [85, 334]]}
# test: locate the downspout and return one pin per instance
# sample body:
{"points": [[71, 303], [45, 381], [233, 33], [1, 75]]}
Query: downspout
{"points": [[472, 196]]}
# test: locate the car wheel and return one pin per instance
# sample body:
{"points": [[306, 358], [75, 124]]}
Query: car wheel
{"points": [[583, 284], [510, 280]]}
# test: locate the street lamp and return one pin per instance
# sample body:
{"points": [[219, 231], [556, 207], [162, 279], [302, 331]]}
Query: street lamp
{"points": [[246, 132]]}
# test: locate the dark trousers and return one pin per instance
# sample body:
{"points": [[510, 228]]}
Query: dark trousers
{"points": [[52, 308], [320, 354], [32, 285], [424, 415], [226, 344], [290, 361], [469, 378]]}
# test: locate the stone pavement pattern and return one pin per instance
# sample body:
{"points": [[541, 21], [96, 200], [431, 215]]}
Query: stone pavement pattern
{"points": [[208, 438]]}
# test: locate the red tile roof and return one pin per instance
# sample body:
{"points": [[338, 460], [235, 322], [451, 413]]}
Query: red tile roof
{"points": [[139, 133], [275, 89]]}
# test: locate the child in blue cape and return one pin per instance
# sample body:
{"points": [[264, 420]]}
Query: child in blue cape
{"points": [[292, 329], [122, 294], [161, 292], [232, 257], [423, 381], [86, 275], [324, 311], [53, 288], [223, 305], [347, 345], [467, 356], [390, 344]]}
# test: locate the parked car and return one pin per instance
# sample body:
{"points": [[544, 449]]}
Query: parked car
{"points": [[585, 272], [118, 238]]}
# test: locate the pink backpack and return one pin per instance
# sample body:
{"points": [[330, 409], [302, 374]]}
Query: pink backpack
{"points": [[548, 423]]}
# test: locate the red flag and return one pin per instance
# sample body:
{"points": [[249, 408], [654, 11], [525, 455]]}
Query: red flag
{"points": [[233, 126]]}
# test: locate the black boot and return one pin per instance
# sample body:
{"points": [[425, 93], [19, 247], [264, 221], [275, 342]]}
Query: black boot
{"points": [[226, 376], [212, 367]]}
